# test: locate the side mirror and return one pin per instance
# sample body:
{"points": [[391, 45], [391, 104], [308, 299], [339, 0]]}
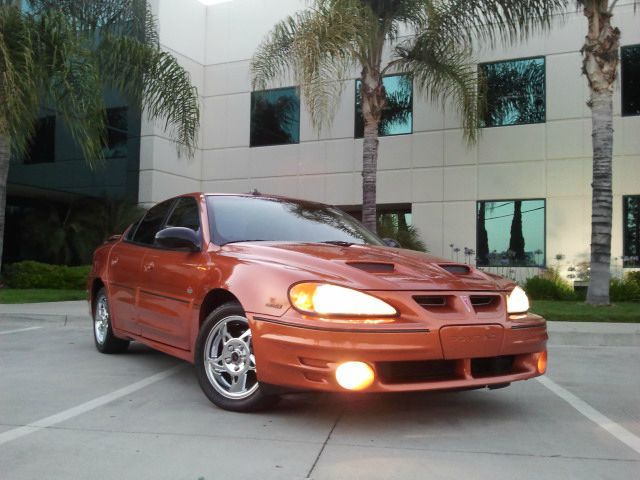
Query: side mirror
{"points": [[391, 242], [178, 238]]}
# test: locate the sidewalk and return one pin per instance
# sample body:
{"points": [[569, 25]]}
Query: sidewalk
{"points": [[560, 333], [60, 312]]}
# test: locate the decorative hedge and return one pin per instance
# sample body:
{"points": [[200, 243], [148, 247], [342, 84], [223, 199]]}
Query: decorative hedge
{"points": [[30, 274]]}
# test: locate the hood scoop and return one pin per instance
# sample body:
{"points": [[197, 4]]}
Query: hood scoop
{"points": [[456, 269], [373, 267]]}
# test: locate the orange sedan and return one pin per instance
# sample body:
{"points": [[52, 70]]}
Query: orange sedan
{"points": [[267, 295]]}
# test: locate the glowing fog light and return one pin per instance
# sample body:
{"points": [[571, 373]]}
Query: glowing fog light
{"points": [[542, 362], [517, 301], [354, 375]]}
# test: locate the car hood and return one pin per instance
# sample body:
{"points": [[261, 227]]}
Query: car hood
{"points": [[367, 267]]}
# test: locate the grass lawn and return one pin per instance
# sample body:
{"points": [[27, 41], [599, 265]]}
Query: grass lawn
{"points": [[627, 312], [36, 295]]}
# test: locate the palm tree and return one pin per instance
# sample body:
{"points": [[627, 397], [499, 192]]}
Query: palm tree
{"points": [[322, 45], [600, 58], [62, 54]]}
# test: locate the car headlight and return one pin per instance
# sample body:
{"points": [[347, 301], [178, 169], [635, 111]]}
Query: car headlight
{"points": [[517, 301], [326, 299]]}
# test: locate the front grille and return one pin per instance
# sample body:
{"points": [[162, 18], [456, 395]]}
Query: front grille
{"points": [[491, 367], [482, 300], [415, 372]]}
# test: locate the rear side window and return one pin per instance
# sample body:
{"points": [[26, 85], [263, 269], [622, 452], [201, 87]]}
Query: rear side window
{"points": [[185, 214], [151, 223]]}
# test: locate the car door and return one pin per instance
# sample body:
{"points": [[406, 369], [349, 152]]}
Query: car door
{"points": [[124, 268], [169, 283]]}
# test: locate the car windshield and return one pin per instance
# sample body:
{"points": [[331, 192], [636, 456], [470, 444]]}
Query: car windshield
{"points": [[244, 219]]}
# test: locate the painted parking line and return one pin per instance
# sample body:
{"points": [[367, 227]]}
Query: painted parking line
{"points": [[17, 330], [615, 429], [65, 415]]}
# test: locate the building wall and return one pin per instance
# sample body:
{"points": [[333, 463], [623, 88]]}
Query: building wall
{"points": [[431, 168]]}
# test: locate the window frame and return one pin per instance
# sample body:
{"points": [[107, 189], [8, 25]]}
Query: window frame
{"points": [[296, 89], [622, 90], [624, 227], [516, 59], [355, 108], [163, 225], [544, 231]]}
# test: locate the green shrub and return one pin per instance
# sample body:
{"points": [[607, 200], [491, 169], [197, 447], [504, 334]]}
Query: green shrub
{"points": [[627, 290], [30, 274], [633, 276], [541, 288]]}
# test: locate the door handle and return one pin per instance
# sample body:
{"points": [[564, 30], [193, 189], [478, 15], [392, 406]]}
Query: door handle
{"points": [[149, 266], [114, 261]]}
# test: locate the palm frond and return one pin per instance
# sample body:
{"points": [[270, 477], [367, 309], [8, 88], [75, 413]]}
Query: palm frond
{"points": [[18, 74], [493, 21], [442, 70], [317, 48]]}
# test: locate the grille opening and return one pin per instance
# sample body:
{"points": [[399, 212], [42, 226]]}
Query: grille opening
{"points": [[456, 269], [482, 300], [416, 371], [427, 301], [373, 267], [492, 366]]}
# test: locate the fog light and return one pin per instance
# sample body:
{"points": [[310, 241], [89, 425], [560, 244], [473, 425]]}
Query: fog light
{"points": [[354, 375], [542, 362]]}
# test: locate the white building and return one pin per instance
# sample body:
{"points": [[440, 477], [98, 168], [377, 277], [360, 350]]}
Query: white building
{"points": [[429, 171]]}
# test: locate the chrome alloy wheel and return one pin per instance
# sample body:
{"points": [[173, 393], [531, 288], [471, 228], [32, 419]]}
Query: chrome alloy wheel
{"points": [[101, 319], [229, 360]]}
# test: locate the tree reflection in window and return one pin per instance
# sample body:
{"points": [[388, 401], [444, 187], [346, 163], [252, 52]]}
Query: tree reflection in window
{"points": [[513, 92], [397, 116], [631, 231], [275, 117], [511, 233], [117, 133], [630, 73]]}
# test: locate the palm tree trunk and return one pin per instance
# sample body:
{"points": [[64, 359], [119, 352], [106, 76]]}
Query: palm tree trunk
{"points": [[516, 242], [4, 174], [482, 256], [600, 65], [601, 202], [373, 100]]}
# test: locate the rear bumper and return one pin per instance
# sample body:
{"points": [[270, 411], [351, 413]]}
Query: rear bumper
{"points": [[304, 358]]}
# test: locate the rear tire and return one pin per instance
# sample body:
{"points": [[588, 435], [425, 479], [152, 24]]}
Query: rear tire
{"points": [[105, 340], [225, 363]]}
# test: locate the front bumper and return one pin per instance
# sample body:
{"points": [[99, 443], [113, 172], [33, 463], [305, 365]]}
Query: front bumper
{"points": [[448, 357]]}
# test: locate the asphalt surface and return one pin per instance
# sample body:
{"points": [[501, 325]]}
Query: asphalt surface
{"points": [[68, 412]]}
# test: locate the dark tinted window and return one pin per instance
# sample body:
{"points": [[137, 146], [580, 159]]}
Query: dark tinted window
{"points": [[631, 80], [117, 133], [631, 231], [275, 117], [511, 233], [185, 214], [514, 92], [397, 116], [237, 219], [41, 148], [151, 223], [131, 232]]}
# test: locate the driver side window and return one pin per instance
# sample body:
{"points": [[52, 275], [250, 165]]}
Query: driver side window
{"points": [[151, 223], [185, 214]]}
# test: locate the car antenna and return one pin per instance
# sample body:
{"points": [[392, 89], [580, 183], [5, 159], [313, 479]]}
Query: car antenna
{"points": [[256, 192]]}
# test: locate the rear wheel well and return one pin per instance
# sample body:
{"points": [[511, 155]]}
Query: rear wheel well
{"points": [[95, 288], [213, 300]]}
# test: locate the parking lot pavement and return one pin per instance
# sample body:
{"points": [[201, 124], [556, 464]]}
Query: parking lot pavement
{"points": [[67, 412]]}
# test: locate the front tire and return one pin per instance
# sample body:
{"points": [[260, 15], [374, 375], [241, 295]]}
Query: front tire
{"points": [[105, 340], [225, 363]]}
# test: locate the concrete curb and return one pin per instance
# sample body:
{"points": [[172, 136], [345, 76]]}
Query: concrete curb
{"points": [[584, 334], [592, 334]]}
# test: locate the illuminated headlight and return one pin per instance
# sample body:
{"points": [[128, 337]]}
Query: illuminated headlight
{"points": [[325, 299], [517, 301]]}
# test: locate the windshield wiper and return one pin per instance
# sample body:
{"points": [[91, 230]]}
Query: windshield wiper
{"points": [[241, 241], [340, 243]]}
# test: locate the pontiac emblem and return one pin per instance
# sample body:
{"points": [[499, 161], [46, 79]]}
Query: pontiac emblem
{"points": [[467, 303]]}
